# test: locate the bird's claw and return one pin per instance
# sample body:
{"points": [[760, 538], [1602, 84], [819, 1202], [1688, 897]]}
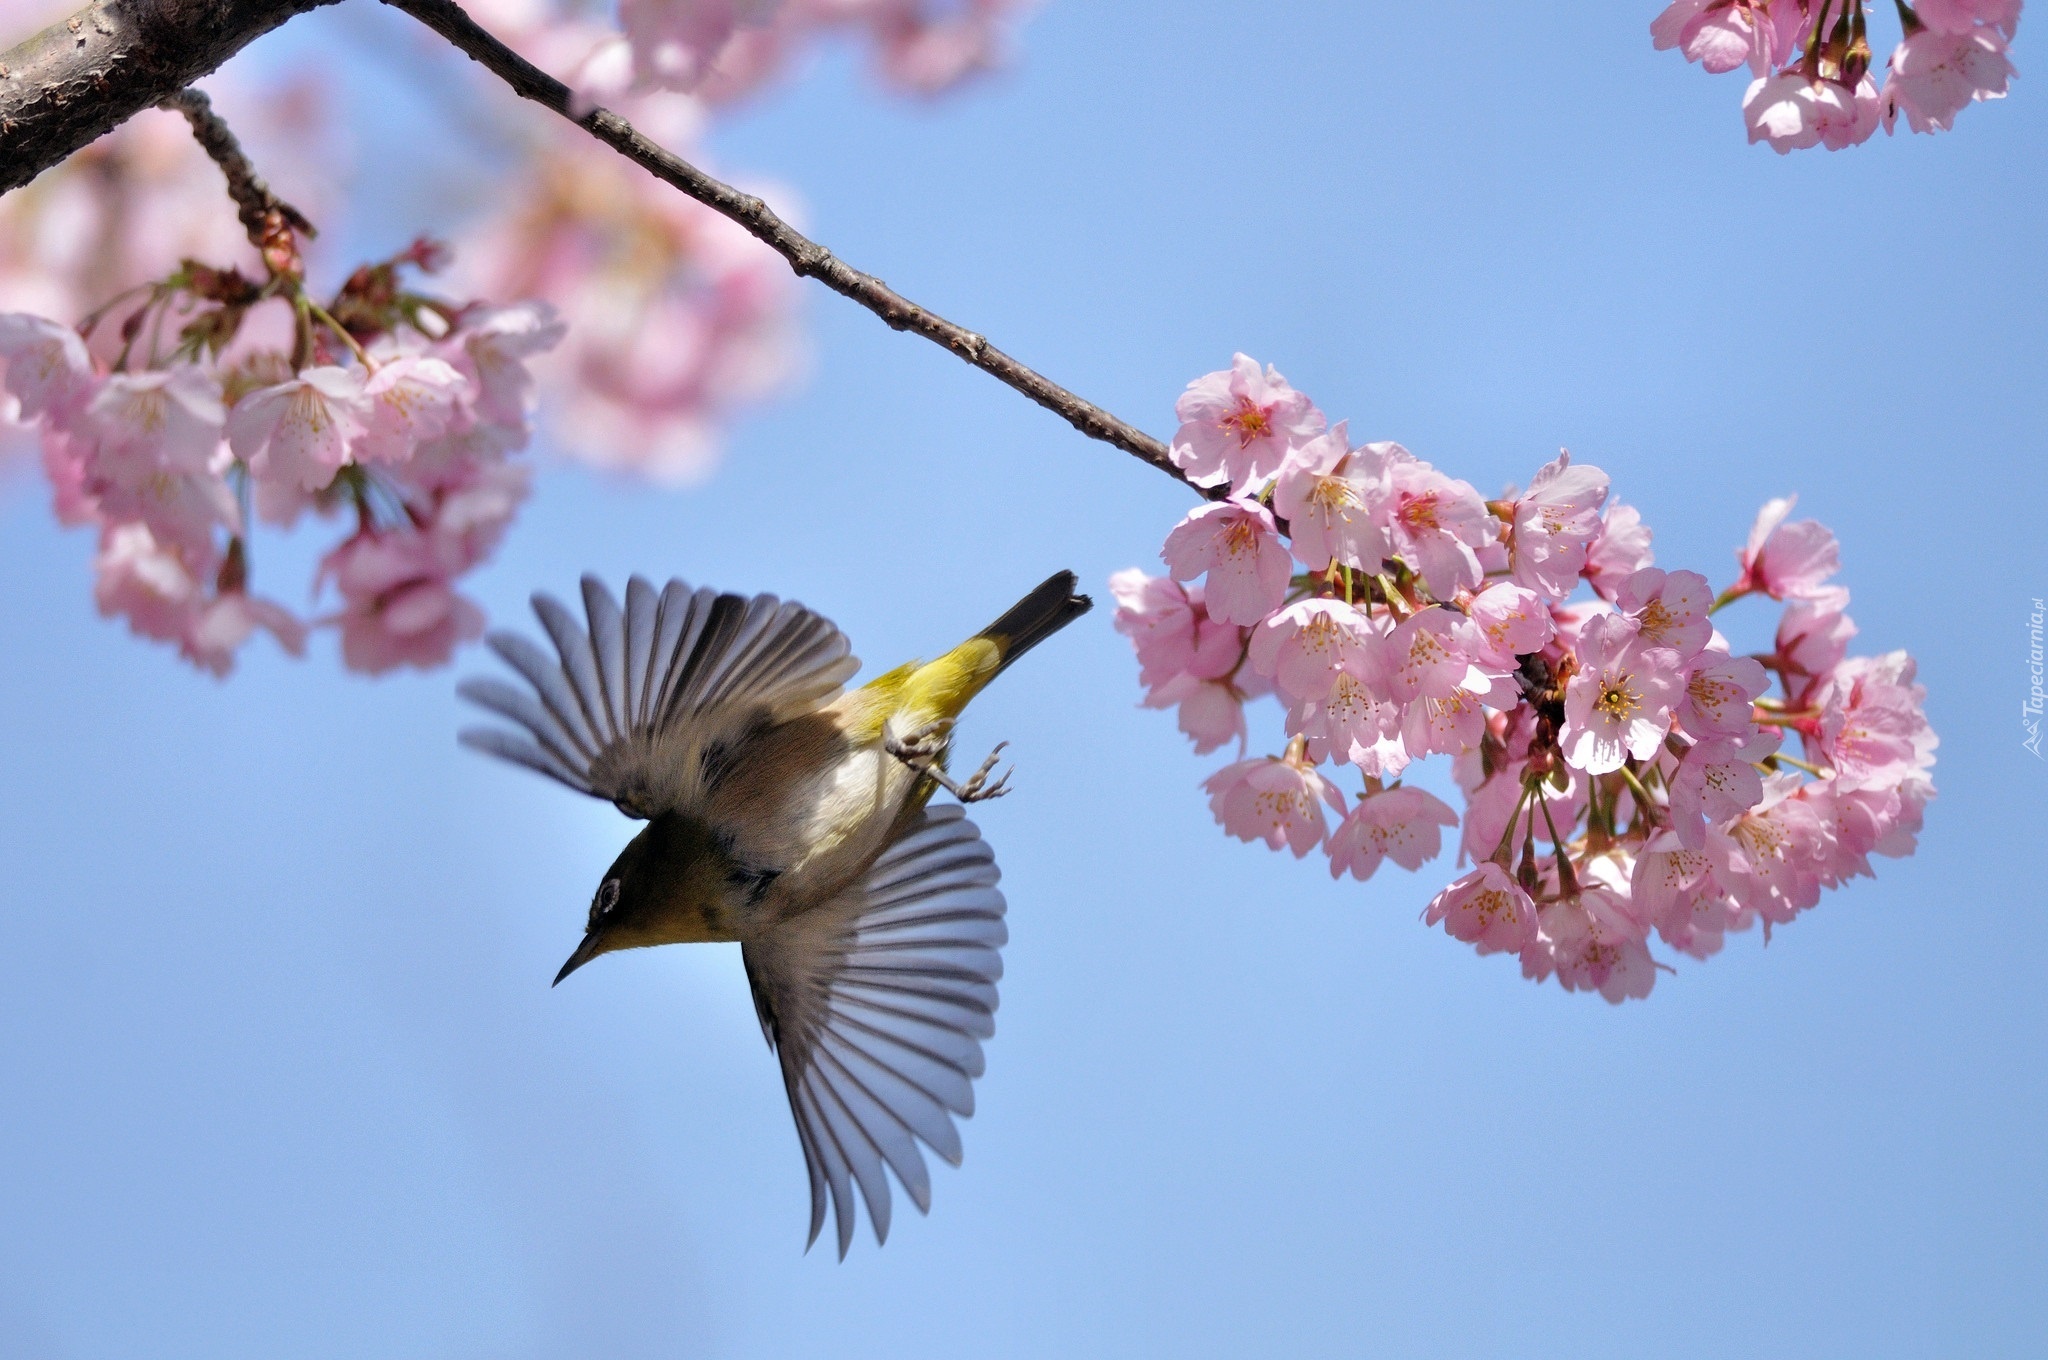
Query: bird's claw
{"points": [[978, 786], [920, 750]]}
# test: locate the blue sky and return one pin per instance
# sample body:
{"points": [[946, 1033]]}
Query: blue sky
{"points": [[284, 1073]]}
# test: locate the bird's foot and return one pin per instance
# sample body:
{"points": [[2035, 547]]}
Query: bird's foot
{"points": [[920, 750], [978, 786]]}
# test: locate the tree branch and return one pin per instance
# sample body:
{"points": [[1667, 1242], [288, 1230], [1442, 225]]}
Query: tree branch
{"points": [[259, 209], [804, 255], [80, 78]]}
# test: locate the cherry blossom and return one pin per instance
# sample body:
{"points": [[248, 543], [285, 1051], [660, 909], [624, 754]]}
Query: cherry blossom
{"points": [[1718, 691], [1508, 621], [411, 399], [1321, 492], [1619, 551], [1238, 424], [1592, 943], [675, 42], [1486, 909], [166, 420], [1401, 824], [1303, 646], [1936, 74], [1718, 780], [1236, 543], [1669, 609], [1277, 799], [1814, 634], [399, 607], [1792, 110], [1433, 522], [1811, 63], [1783, 559], [1553, 524], [47, 367], [1619, 704], [299, 431], [1872, 730], [1961, 16]]}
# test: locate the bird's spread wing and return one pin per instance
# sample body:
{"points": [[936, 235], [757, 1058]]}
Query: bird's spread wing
{"points": [[633, 704], [876, 1003]]}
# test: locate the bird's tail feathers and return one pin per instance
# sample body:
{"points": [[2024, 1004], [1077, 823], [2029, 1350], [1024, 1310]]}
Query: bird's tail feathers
{"points": [[1036, 617]]}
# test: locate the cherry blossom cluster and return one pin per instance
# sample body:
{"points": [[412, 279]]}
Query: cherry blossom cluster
{"points": [[186, 409], [1811, 63], [1622, 770]]}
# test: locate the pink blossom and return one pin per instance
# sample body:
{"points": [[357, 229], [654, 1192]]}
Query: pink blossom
{"points": [[1350, 720], [1238, 424], [152, 586], [1277, 799], [1872, 729], [1960, 16], [1619, 703], [1401, 824], [158, 420], [1157, 613], [1446, 724], [1670, 609], [410, 399], [1718, 780], [181, 508], [48, 370], [1673, 889], [1783, 559], [1619, 551], [1813, 634], [1792, 111], [1304, 645], [470, 513], [1594, 944], [1722, 36], [398, 606], [66, 462], [1719, 690], [1321, 494], [1765, 857], [1426, 658], [1237, 544], [299, 431], [1936, 75], [676, 316], [227, 621], [1433, 522], [1486, 909], [1553, 525], [1508, 621], [675, 42], [1211, 712], [492, 348]]}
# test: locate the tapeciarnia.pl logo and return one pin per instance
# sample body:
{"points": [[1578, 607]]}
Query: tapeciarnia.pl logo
{"points": [[2030, 712]]}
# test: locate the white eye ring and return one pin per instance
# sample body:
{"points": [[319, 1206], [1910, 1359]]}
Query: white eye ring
{"points": [[607, 897]]}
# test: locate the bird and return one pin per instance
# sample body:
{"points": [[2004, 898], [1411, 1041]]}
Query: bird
{"points": [[795, 817]]}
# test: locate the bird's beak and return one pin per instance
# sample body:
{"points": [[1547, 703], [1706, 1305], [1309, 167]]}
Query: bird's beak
{"points": [[585, 952]]}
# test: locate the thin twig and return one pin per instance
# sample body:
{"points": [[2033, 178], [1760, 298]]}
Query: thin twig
{"points": [[805, 256], [258, 208]]}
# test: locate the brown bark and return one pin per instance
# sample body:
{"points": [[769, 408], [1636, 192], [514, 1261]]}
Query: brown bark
{"points": [[82, 77]]}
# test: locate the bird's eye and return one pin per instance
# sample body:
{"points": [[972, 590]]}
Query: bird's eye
{"points": [[607, 898]]}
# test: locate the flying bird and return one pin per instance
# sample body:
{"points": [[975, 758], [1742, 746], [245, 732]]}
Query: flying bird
{"points": [[795, 819]]}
